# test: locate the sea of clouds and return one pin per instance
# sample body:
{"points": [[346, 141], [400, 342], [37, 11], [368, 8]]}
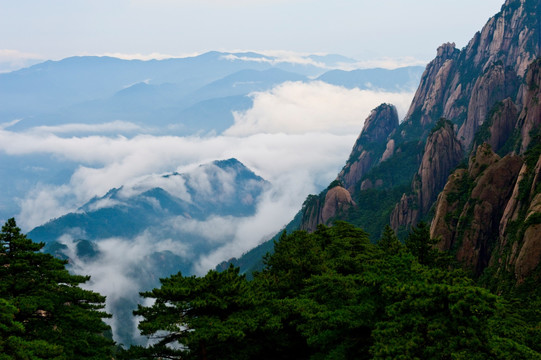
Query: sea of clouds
{"points": [[296, 136]]}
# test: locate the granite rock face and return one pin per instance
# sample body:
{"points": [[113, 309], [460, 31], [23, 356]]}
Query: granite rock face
{"points": [[432, 90], [464, 85], [530, 117], [496, 84], [490, 213], [441, 155], [502, 124], [370, 145]]}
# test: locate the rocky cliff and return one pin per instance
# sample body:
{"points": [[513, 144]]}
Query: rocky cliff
{"points": [[441, 155], [530, 117], [469, 209], [464, 85], [490, 215], [367, 151], [321, 209], [488, 211], [370, 145]]}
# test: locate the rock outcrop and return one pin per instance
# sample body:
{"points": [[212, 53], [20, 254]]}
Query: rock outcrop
{"points": [[441, 155], [500, 125], [477, 206], [519, 246], [530, 118], [481, 215], [431, 93], [464, 85], [496, 84], [370, 145], [323, 209], [337, 200]]}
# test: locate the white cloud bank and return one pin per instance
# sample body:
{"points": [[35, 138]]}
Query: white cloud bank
{"points": [[297, 136], [112, 162], [298, 108], [11, 60]]}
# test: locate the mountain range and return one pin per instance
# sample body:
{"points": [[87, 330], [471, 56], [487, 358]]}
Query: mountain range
{"points": [[168, 92], [194, 96], [466, 158], [167, 223]]}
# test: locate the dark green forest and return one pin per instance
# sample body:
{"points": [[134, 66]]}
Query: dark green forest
{"points": [[330, 294], [45, 314]]}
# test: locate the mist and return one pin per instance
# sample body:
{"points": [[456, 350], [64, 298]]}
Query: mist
{"points": [[296, 136]]}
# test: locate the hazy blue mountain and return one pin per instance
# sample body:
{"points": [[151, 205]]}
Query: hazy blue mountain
{"points": [[401, 79], [244, 82], [53, 85], [221, 188], [213, 114], [98, 89], [166, 105], [187, 96], [134, 235]]}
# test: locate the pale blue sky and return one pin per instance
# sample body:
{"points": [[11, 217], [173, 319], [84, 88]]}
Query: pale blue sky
{"points": [[361, 29]]}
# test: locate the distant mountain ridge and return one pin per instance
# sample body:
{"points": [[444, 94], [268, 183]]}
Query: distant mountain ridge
{"points": [[93, 89], [152, 228], [221, 188], [104, 96]]}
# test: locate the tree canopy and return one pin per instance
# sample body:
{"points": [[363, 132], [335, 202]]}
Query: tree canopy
{"points": [[45, 314], [332, 294]]}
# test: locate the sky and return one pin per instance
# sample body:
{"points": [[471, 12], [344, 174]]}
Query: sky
{"points": [[407, 31]]}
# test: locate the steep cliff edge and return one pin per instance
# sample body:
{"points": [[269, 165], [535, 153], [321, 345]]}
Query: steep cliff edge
{"points": [[432, 91], [370, 145], [469, 210], [441, 155], [518, 250], [530, 118], [464, 85], [490, 215], [367, 151]]}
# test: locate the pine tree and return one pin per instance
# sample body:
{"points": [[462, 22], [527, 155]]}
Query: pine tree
{"points": [[389, 242], [421, 245], [48, 301]]}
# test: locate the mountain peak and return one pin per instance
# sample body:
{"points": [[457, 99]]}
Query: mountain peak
{"points": [[447, 51]]}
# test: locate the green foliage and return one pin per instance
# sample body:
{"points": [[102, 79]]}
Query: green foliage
{"points": [[389, 242], [335, 183], [46, 313], [334, 295], [421, 245], [442, 122], [400, 168], [374, 217], [213, 317], [436, 314]]}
